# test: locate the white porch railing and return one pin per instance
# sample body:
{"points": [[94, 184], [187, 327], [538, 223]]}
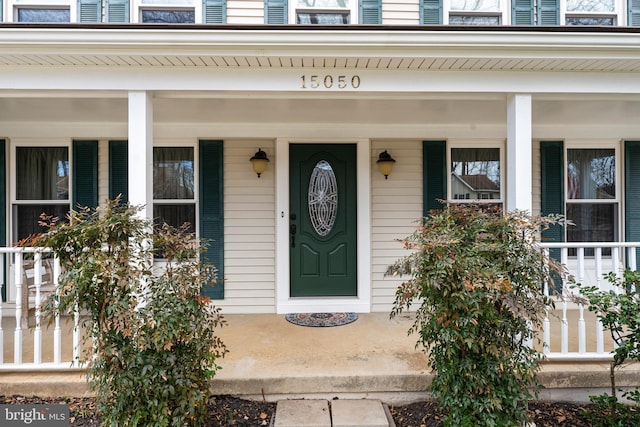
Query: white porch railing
{"points": [[28, 275], [571, 331]]}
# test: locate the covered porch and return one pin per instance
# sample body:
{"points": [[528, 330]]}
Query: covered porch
{"points": [[273, 359]]}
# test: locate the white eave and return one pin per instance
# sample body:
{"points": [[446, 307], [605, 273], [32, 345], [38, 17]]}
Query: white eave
{"points": [[373, 48]]}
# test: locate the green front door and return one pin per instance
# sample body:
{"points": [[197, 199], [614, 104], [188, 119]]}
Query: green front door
{"points": [[322, 222]]}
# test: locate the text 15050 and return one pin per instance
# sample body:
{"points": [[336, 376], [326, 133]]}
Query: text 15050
{"points": [[329, 81]]}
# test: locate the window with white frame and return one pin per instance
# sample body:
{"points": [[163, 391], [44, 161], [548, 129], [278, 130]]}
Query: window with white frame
{"points": [[475, 174], [475, 12], [174, 201], [592, 200], [42, 10], [325, 12], [591, 12], [168, 11], [41, 186]]}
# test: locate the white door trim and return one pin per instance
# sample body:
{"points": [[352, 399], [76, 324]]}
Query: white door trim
{"points": [[284, 302]]}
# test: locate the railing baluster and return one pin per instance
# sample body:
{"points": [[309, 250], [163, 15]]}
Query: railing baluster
{"points": [[632, 264], [546, 324], [582, 328], [599, 327], [17, 336], [37, 333], [57, 332], [76, 337], [564, 334]]}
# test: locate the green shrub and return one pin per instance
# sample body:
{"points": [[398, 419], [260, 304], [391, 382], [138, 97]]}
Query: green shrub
{"points": [[619, 311], [477, 275], [152, 346]]}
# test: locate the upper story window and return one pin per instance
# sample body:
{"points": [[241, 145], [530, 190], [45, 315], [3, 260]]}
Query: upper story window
{"points": [[475, 174], [167, 11], [324, 12], [591, 12], [475, 12], [41, 10], [36, 14]]}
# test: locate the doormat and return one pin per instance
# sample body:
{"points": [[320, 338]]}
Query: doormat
{"points": [[321, 320]]}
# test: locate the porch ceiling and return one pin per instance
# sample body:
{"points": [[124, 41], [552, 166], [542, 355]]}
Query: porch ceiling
{"points": [[370, 48]]}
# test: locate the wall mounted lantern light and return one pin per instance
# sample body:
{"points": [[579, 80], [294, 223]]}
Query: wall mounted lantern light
{"points": [[385, 163], [259, 161]]}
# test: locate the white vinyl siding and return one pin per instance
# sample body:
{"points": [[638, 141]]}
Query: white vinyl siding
{"points": [[103, 171], [245, 12], [536, 190], [249, 230], [400, 12], [396, 205]]}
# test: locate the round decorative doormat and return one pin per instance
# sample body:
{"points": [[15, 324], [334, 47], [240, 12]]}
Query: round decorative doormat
{"points": [[320, 320]]}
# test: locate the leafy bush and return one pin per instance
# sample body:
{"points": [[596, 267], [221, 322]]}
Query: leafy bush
{"points": [[619, 311], [152, 346], [477, 275]]}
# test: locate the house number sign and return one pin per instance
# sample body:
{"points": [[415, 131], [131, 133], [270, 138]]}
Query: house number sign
{"points": [[329, 81]]}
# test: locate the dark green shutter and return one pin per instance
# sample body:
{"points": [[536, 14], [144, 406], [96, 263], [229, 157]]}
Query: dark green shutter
{"points": [[85, 174], [276, 11], [522, 12], [549, 12], [1, 20], [632, 194], [3, 212], [434, 175], [214, 11], [552, 185], [117, 10], [370, 11], [211, 210], [431, 12], [634, 13], [119, 170], [89, 10], [552, 194]]}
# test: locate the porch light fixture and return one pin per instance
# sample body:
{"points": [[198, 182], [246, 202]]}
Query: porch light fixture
{"points": [[259, 161], [385, 163]]}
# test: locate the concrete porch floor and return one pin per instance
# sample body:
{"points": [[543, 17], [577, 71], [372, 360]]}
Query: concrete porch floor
{"points": [[270, 358]]}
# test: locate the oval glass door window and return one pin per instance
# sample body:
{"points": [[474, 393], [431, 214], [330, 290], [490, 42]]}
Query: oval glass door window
{"points": [[323, 198]]}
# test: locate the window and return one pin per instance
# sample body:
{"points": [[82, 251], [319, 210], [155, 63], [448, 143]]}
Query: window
{"points": [[591, 196], [176, 11], [40, 14], [41, 186], [167, 11], [591, 12], [475, 174], [475, 12], [324, 12], [167, 16], [174, 186]]}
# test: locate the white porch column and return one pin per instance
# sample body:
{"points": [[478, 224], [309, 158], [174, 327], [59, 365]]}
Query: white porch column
{"points": [[141, 151], [519, 180]]}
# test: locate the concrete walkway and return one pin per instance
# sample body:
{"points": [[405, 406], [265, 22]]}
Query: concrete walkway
{"points": [[335, 413], [372, 358]]}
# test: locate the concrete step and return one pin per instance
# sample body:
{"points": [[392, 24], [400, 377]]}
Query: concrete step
{"points": [[334, 413]]}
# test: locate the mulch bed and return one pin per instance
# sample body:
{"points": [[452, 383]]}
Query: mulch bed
{"points": [[231, 411]]}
